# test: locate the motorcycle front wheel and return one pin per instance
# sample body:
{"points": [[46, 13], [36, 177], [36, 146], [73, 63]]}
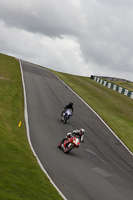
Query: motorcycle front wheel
{"points": [[69, 148], [63, 117]]}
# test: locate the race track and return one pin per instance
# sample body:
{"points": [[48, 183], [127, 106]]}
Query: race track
{"points": [[101, 169]]}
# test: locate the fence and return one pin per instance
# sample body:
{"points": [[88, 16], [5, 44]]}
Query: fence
{"points": [[113, 86]]}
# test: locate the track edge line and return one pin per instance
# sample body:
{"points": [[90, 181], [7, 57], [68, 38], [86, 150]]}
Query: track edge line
{"points": [[28, 135], [96, 115]]}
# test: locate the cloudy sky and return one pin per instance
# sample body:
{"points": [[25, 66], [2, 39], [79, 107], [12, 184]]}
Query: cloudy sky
{"points": [[81, 37]]}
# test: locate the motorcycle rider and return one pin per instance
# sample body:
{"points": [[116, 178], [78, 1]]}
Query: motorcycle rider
{"points": [[79, 133], [69, 106]]}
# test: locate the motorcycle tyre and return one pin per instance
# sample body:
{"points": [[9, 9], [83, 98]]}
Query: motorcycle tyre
{"points": [[69, 149], [59, 145], [63, 120], [62, 116]]}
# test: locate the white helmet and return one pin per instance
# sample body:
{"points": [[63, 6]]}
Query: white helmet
{"points": [[69, 135], [81, 131]]}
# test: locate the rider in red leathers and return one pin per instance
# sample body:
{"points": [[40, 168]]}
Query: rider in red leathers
{"points": [[79, 133]]}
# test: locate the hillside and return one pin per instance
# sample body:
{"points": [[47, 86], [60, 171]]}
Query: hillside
{"points": [[21, 176]]}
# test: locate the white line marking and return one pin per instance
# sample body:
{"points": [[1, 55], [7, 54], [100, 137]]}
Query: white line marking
{"points": [[28, 135]]}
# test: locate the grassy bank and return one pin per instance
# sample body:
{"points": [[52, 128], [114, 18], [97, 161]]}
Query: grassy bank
{"points": [[20, 175], [114, 108]]}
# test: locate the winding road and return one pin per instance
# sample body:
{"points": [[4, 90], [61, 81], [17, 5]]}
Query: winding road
{"points": [[101, 169]]}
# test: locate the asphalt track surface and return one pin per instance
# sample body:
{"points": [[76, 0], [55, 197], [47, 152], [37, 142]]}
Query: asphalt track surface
{"points": [[101, 169]]}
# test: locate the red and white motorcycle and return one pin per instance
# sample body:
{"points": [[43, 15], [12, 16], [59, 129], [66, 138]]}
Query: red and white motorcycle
{"points": [[69, 143]]}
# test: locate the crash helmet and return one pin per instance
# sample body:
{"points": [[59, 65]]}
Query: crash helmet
{"points": [[71, 104], [69, 135], [81, 131]]}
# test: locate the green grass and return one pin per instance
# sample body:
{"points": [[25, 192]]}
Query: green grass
{"points": [[114, 108], [20, 175]]}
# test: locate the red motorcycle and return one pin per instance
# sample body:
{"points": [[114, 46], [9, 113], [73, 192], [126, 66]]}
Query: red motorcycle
{"points": [[69, 143]]}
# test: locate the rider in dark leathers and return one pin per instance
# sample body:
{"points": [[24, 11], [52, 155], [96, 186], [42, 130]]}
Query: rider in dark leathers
{"points": [[69, 106]]}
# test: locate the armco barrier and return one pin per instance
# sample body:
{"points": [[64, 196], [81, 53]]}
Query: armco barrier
{"points": [[113, 86]]}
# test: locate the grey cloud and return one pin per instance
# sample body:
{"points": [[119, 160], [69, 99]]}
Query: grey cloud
{"points": [[46, 17], [83, 37], [109, 41]]}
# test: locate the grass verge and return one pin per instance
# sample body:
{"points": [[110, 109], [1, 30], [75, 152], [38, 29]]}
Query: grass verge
{"points": [[20, 175], [114, 108]]}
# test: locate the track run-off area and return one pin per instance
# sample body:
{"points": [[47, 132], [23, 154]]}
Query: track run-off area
{"points": [[101, 169]]}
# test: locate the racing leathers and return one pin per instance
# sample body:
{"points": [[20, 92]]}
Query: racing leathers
{"points": [[78, 133], [81, 136], [69, 106]]}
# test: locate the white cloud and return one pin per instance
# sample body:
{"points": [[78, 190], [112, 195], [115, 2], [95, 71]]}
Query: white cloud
{"points": [[61, 54], [72, 36]]}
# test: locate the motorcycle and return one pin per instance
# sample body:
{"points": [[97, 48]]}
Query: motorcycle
{"points": [[69, 143], [65, 115]]}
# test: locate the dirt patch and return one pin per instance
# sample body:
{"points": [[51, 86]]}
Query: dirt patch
{"points": [[4, 78]]}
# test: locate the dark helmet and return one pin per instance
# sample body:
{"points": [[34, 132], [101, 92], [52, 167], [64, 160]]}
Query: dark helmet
{"points": [[81, 131], [71, 103]]}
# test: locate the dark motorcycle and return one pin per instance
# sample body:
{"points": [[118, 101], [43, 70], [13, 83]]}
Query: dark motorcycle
{"points": [[65, 115], [69, 143]]}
